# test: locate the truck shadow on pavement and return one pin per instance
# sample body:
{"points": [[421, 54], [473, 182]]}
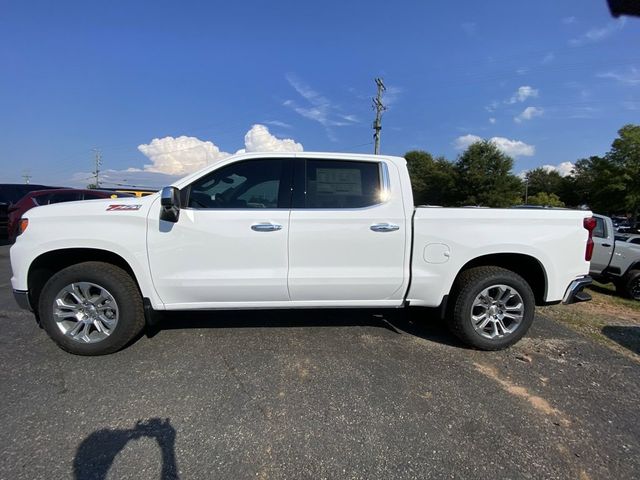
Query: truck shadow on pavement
{"points": [[626, 336], [96, 453], [419, 322]]}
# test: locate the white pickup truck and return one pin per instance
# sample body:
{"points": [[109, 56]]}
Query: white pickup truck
{"points": [[293, 230]]}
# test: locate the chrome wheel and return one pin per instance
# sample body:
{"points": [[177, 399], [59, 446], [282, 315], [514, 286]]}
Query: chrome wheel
{"points": [[85, 312], [497, 311]]}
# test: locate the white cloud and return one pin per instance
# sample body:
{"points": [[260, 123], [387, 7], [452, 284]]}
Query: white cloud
{"points": [[569, 20], [492, 120], [174, 157], [564, 168], [179, 156], [513, 148], [548, 58], [528, 113], [598, 34], [182, 155], [319, 109], [277, 123], [259, 139], [469, 28], [631, 77], [523, 93], [391, 95], [464, 141]]}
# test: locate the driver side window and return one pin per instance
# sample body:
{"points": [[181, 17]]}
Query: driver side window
{"points": [[261, 183]]}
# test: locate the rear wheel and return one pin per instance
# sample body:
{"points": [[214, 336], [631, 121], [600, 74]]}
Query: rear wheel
{"points": [[632, 285], [92, 308], [492, 308]]}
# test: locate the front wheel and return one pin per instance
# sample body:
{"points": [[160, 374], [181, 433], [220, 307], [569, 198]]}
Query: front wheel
{"points": [[492, 308], [91, 308]]}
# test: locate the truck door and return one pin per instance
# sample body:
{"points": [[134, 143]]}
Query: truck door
{"points": [[230, 242], [603, 239], [347, 233]]}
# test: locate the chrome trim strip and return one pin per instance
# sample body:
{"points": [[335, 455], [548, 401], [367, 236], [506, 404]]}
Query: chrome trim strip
{"points": [[575, 288], [386, 182]]}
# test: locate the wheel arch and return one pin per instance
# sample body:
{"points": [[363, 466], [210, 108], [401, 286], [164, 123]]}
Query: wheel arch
{"points": [[526, 266], [47, 264]]}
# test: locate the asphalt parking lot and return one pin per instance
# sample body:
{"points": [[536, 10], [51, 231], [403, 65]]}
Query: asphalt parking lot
{"points": [[325, 394]]}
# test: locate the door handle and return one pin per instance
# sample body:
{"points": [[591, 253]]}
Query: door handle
{"points": [[606, 244], [384, 227], [266, 227]]}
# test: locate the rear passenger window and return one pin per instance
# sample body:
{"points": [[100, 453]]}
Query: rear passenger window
{"points": [[599, 231], [342, 184]]}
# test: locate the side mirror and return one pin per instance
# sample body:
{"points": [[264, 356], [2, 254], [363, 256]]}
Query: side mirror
{"points": [[170, 204]]}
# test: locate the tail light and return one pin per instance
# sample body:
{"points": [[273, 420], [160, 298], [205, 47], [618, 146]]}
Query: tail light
{"points": [[590, 225], [22, 226]]}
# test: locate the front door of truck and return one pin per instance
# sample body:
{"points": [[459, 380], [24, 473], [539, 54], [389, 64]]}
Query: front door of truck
{"points": [[347, 234], [229, 244]]}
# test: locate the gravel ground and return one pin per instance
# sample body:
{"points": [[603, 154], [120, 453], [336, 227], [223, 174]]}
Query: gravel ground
{"points": [[314, 394]]}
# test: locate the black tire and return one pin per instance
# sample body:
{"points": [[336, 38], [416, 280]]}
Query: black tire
{"points": [[468, 286], [122, 288], [632, 285]]}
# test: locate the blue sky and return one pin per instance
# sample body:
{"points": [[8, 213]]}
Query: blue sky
{"points": [[552, 81]]}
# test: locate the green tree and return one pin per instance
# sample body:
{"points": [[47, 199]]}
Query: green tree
{"points": [[543, 180], [598, 183], [546, 200], [432, 180], [625, 155], [484, 177]]}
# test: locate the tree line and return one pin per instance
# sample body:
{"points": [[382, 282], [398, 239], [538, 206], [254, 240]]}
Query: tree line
{"points": [[483, 176]]}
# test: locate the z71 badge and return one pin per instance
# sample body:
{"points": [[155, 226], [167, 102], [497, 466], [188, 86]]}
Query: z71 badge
{"points": [[123, 207]]}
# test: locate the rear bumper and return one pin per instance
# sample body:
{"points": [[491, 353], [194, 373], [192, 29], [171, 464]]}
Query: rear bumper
{"points": [[575, 293], [22, 299]]}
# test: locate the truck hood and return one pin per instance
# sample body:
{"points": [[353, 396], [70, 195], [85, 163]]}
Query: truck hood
{"points": [[96, 207]]}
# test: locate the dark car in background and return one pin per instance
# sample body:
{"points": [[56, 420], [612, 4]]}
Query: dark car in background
{"points": [[50, 196], [11, 193]]}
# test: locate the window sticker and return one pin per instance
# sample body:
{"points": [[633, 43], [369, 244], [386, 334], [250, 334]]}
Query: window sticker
{"points": [[346, 181]]}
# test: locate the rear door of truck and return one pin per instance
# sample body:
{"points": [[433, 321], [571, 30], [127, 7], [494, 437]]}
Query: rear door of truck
{"points": [[348, 231], [604, 243]]}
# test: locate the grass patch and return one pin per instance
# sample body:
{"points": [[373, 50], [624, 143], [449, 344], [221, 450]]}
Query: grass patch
{"points": [[607, 318]]}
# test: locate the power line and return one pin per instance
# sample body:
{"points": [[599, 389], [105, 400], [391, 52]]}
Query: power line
{"points": [[379, 107]]}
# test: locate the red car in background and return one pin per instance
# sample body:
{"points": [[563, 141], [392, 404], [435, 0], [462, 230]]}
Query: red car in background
{"points": [[37, 198]]}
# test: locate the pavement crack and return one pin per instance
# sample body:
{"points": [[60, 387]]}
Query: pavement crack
{"points": [[243, 388]]}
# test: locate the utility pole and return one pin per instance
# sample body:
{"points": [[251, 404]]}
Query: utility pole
{"points": [[26, 177], [379, 107], [96, 172], [526, 189]]}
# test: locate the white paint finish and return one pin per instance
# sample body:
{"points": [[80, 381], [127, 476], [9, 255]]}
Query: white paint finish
{"points": [[437, 253], [87, 224], [334, 255], [212, 259], [555, 238], [212, 256]]}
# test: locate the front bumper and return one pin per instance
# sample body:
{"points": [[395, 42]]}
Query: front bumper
{"points": [[22, 299], [575, 293]]}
